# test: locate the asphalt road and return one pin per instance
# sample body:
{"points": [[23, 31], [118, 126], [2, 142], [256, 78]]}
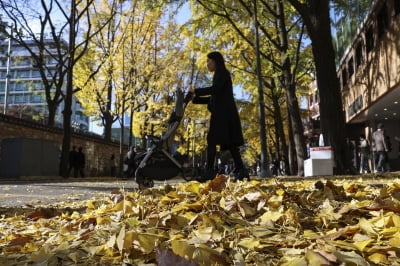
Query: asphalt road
{"points": [[43, 192]]}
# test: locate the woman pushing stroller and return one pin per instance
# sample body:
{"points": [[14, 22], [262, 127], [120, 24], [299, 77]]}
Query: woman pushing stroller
{"points": [[225, 128]]}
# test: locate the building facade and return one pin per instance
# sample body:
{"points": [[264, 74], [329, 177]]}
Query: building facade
{"points": [[25, 97], [369, 74]]}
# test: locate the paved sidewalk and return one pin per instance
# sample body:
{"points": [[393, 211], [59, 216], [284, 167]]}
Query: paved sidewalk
{"points": [[44, 190]]}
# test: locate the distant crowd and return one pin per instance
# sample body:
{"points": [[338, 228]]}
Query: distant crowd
{"points": [[76, 162]]}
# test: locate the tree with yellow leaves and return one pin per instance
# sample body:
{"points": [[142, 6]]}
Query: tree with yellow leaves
{"points": [[229, 27]]}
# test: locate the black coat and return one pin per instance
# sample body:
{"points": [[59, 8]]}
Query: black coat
{"points": [[225, 128]]}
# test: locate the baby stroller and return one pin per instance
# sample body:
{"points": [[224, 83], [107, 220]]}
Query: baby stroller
{"points": [[158, 162]]}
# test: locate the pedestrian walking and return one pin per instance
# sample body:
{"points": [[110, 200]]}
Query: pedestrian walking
{"points": [[72, 159], [225, 128], [282, 165], [113, 166], [380, 148], [80, 163], [364, 153]]}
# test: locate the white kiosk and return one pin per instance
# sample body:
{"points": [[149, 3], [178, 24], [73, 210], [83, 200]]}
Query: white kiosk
{"points": [[320, 162]]}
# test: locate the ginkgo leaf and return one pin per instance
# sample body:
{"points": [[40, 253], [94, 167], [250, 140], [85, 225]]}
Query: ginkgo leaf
{"points": [[315, 258], [182, 248], [351, 257], [246, 222], [250, 243], [360, 245], [270, 215], [246, 210], [367, 227], [202, 235], [378, 258], [121, 239], [296, 262]]}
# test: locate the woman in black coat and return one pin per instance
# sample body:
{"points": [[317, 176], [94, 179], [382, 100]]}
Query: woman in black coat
{"points": [[225, 128]]}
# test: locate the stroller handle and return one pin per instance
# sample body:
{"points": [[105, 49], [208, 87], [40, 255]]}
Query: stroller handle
{"points": [[188, 98]]}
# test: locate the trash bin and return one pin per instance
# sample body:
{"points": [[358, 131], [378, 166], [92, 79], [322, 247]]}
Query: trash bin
{"points": [[320, 162]]}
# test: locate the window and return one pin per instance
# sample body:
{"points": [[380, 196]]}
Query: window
{"points": [[36, 98], [35, 74], [20, 98], [350, 67], [11, 73], [344, 77], [21, 86], [383, 22], [3, 74], [21, 61], [2, 99], [24, 61], [359, 54], [36, 86], [23, 74], [396, 7], [51, 61], [11, 99], [369, 38], [2, 86], [50, 73]]}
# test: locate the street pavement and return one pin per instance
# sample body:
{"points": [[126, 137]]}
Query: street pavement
{"points": [[42, 191]]}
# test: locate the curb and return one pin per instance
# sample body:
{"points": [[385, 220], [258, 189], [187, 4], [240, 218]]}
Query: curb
{"points": [[58, 179]]}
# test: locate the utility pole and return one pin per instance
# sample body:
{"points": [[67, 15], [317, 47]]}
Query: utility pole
{"points": [[261, 111], [7, 84]]}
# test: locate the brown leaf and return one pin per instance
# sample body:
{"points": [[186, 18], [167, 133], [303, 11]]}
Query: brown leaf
{"points": [[20, 241], [116, 196], [348, 230], [45, 213], [217, 184]]}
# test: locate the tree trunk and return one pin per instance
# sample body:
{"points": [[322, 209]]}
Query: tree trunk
{"points": [[68, 97], [282, 145], [315, 14], [131, 129], [108, 121], [297, 128], [261, 111], [291, 99], [52, 107], [292, 148]]}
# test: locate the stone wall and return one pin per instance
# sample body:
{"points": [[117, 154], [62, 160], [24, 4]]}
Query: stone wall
{"points": [[97, 151]]}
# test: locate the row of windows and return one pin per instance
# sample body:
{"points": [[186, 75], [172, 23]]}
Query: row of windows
{"points": [[24, 74], [314, 98], [18, 61], [79, 116], [367, 42], [36, 99], [22, 86], [22, 98]]}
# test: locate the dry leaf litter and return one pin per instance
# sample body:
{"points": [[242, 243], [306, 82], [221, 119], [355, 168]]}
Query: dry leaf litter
{"points": [[257, 222]]}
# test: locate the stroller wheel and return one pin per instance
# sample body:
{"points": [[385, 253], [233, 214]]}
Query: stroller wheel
{"points": [[142, 181], [146, 184]]}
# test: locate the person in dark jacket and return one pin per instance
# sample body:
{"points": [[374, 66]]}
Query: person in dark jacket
{"points": [[72, 159], [79, 163], [225, 128]]}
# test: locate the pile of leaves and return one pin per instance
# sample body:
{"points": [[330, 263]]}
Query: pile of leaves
{"points": [[257, 222]]}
